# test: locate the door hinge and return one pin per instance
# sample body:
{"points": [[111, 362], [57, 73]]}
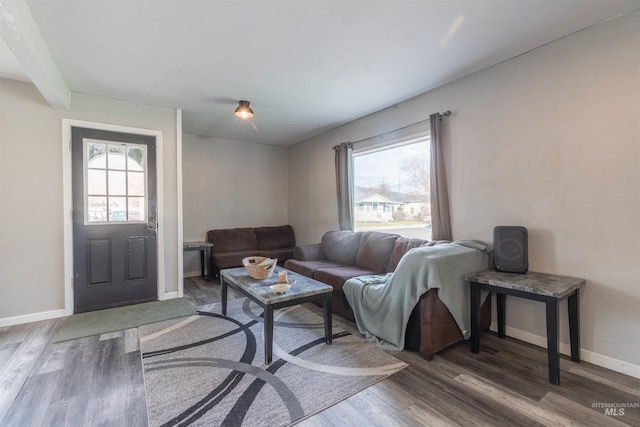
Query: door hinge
{"points": [[71, 214]]}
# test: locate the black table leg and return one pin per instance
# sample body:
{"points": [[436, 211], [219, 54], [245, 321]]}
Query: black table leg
{"points": [[500, 309], [223, 291], [574, 326], [207, 259], [475, 317], [202, 262], [552, 340], [328, 327], [268, 334]]}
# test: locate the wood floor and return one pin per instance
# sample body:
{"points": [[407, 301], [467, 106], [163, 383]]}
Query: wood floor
{"points": [[97, 381]]}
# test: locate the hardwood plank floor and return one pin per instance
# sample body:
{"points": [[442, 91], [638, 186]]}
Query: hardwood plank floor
{"points": [[98, 381]]}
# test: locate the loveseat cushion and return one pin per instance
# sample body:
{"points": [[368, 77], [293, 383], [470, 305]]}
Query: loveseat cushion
{"points": [[230, 259], [275, 237], [306, 268], [281, 254], [233, 240], [375, 249], [336, 276], [341, 246]]}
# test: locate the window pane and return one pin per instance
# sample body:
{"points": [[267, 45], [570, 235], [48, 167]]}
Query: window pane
{"points": [[117, 208], [97, 209], [136, 183], [136, 209], [136, 159], [117, 183], [96, 182], [95, 155], [392, 190], [116, 157]]}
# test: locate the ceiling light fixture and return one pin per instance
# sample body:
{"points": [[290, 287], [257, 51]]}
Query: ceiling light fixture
{"points": [[244, 111]]}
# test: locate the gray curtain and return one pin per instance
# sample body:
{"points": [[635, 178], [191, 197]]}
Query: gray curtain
{"points": [[440, 215], [344, 185]]}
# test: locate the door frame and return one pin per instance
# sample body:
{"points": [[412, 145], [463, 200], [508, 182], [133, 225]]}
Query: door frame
{"points": [[67, 204]]}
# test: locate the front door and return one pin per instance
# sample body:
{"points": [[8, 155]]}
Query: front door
{"points": [[115, 251]]}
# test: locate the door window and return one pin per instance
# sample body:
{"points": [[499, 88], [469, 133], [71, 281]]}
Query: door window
{"points": [[116, 182]]}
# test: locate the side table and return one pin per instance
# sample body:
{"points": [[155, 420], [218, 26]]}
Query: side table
{"points": [[205, 256], [548, 288]]}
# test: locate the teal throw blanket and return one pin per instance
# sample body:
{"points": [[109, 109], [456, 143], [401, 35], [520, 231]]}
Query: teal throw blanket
{"points": [[382, 304]]}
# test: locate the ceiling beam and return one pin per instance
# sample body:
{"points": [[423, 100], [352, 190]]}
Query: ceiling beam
{"points": [[21, 35]]}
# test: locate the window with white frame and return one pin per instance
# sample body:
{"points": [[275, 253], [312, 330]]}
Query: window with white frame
{"points": [[392, 184]]}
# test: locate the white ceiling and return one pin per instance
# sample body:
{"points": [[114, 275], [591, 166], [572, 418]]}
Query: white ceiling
{"points": [[305, 66]]}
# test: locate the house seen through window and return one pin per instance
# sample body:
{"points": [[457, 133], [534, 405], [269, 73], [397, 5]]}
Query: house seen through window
{"points": [[391, 189]]}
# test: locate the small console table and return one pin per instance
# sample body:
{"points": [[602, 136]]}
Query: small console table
{"points": [[205, 256], [548, 288]]}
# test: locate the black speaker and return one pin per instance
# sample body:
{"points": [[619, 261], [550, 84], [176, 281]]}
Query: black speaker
{"points": [[510, 249]]}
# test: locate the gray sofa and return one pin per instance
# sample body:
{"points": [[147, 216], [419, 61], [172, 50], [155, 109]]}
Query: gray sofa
{"points": [[342, 255]]}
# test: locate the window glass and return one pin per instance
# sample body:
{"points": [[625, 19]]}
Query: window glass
{"points": [[391, 189], [135, 182], [136, 209], [97, 181], [97, 209], [117, 183], [116, 157]]}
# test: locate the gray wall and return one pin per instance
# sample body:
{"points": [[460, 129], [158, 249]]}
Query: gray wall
{"points": [[548, 140], [31, 203], [229, 184]]}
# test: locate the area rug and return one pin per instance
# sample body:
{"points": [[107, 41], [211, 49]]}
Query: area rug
{"points": [[121, 318], [210, 370]]}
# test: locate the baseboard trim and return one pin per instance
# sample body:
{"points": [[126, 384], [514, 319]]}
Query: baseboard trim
{"points": [[53, 314], [192, 274], [586, 355], [169, 295], [32, 317]]}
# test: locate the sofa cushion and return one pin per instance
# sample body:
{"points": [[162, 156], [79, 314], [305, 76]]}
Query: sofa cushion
{"points": [[375, 249], [401, 246], [306, 268], [233, 240], [336, 276], [310, 252], [341, 246], [275, 237]]}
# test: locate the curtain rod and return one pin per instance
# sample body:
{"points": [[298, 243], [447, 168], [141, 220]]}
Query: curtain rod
{"points": [[445, 114]]}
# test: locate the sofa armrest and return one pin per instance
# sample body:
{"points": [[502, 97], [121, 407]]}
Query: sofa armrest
{"points": [[311, 252]]}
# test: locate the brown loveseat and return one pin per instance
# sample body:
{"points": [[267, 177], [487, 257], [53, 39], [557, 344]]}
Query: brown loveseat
{"points": [[345, 254], [231, 245]]}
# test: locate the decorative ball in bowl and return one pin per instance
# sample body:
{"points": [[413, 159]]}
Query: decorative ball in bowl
{"points": [[280, 288], [259, 267]]}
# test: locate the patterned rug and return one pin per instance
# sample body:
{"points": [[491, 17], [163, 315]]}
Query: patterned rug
{"points": [[209, 370]]}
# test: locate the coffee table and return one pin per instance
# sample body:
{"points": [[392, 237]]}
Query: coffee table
{"points": [[303, 290]]}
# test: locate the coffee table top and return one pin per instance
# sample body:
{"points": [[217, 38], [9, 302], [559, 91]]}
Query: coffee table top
{"points": [[260, 289]]}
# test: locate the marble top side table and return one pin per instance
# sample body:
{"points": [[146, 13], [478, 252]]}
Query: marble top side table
{"points": [[205, 256], [547, 288]]}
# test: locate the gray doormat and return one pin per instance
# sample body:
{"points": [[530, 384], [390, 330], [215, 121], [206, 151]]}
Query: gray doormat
{"points": [[209, 369], [121, 318]]}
